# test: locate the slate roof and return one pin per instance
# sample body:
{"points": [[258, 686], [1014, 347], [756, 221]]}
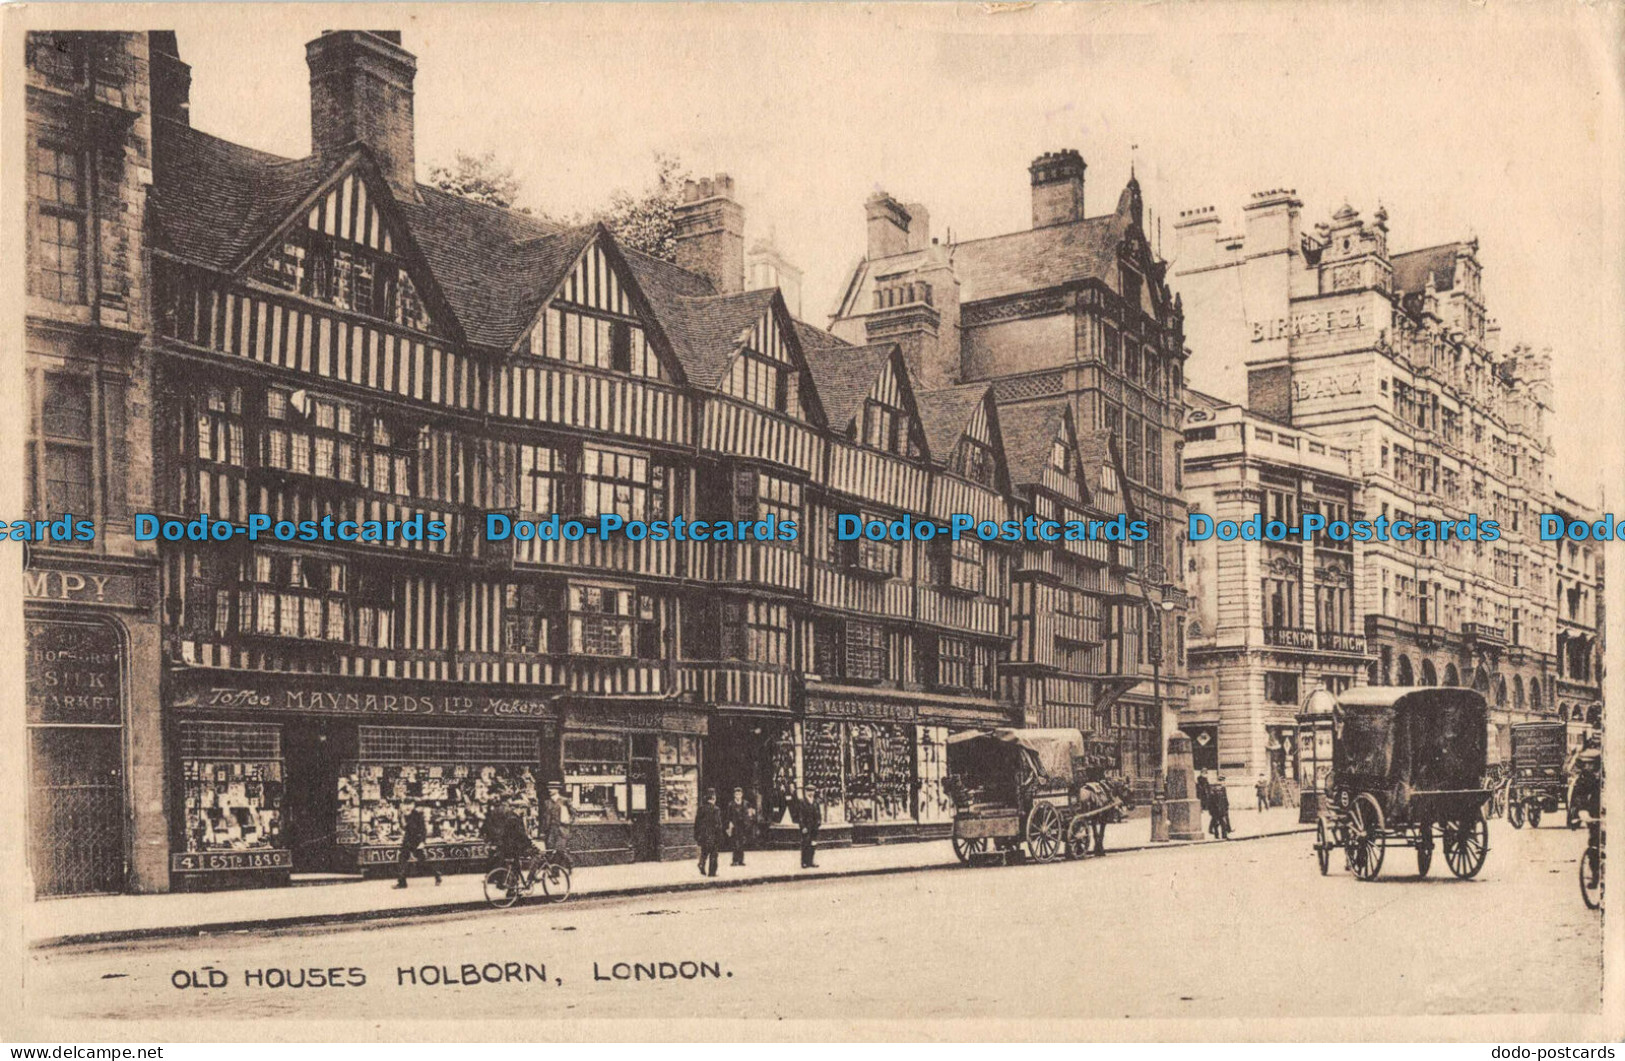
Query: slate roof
{"points": [[213, 201], [945, 414], [1029, 429], [1039, 258], [1095, 451], [1412, 268], [844, 375], [705, 332]]}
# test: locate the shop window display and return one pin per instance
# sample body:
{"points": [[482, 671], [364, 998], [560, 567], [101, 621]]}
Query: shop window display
{"points": [[879, 769], [931, 756], [233, 786], [453, 776], [821, 769], [679, 777], [595, 776]]}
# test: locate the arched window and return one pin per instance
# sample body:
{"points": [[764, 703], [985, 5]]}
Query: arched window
{"points": [[1403, 675], [1451, 676], [1429, 675], [1501, 693], [1517, 691], [1534, 695]]}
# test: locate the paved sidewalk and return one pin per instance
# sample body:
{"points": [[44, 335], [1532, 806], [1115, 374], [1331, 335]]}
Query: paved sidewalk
{"points": [[55, 922]]}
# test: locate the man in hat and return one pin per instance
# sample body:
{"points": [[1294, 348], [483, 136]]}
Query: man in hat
{"points": [[1261, 791], [504, 829], [739, 817], [556, 819], [709, 833], [1219, 798], [804, 812], [412, 840]]}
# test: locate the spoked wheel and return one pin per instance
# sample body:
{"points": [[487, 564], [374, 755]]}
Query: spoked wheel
{"points": [[1424, 849], [1591, 878], [1515, 814], [1366, 845], [501, 888], [967, 848], [1323, 847], [555, 878], [1466, 844], [1043, 833], [1534, 815], [1079, 838]]}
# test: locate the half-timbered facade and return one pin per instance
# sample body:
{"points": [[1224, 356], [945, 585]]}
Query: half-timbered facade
{"points": [[385, 372]]}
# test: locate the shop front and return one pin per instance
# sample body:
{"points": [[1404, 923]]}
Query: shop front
{"points": [[757, 753], [283, 776], [632, 776]]}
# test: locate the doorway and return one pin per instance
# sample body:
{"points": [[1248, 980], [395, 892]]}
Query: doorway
{"points": [[314, 750], [644, 808]]}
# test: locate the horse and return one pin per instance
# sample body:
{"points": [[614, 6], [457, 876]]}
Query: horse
{"points": [[1111, 797]]}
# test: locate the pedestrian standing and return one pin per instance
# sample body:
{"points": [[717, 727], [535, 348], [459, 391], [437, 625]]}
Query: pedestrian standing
{"points": [[1204, 799], [1261, 789], [1221, 810], [709, 833], [412, 840], [739, 818], [556, 819], [804, 812]]}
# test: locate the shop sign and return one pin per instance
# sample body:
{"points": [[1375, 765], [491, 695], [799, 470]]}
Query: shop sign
{"points": [[635, 718], [313, 699], [87, 587], [388, 856], [74, 673], [226, 861], [862, 710], [1329, 320]]}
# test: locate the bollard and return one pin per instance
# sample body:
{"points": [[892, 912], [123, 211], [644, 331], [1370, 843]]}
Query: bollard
{"points": [[1159, 822], [1183, 813]]}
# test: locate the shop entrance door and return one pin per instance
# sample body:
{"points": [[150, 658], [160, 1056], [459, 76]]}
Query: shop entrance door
{"points": [[645, 799], [313, 751], [76, 809]]}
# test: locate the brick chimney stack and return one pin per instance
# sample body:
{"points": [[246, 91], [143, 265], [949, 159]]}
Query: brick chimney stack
{"points": [[361, 93], [171, 78], [888, 226], [710, 227], [1057, 188]]}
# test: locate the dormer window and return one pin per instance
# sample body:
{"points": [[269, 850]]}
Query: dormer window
{"points": [[976, 462], [887, 428], [1060, 457], [348, 276]]}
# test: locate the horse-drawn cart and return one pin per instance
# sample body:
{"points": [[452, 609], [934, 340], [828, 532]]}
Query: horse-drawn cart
{"points": [[1022, 791], [1407, 766]]}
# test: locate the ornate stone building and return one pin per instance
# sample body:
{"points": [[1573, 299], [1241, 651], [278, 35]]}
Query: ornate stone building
{"points": [[1393, 356]]}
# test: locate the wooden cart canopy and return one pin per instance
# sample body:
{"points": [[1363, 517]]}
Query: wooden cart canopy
{"points": [[1410, 698], [1051, 749]]}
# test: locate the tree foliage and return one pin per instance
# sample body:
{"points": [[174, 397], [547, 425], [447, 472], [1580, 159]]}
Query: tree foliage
{"points": [[646, 221], [478, 177]]}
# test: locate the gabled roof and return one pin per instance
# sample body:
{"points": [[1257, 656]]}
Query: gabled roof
{"points": [[945, 415], [706, 332], [1030, 429], [1039, 258], [1097, 450], [1412, 268]]}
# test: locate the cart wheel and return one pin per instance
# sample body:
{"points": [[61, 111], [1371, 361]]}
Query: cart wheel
{"points": [[1366, 842], [1079, 838], [1534, 815], [1043, 833], [1424, 849], [1515, 814], [501, 889], [1466, 844], [1323, 849], [966, 849], [1591, 878]]}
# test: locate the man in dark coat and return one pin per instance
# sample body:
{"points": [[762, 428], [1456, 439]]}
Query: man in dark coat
{"points": [[709, 833], [1220, 797], [556, 819], [1204, 798], [739, 818], [412, 840], [804, 812]]}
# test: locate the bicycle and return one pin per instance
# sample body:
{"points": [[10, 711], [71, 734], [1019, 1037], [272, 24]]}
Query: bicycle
{"points": [[506, 883], [1591, 868]]}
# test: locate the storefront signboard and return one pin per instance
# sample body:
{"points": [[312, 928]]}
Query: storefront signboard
{"points": [[73, 586], [861, 710], [228, 861], [651, 720], [315, 698], [388, 856], [74, 673]]}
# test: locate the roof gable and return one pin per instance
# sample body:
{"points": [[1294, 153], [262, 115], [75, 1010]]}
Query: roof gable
{"points": [[849, 377], [1032, 429], [953, 416], [321, 249]]}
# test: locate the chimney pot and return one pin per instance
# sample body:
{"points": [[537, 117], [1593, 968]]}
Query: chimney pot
{"points": [[1057, 182], [711, 233]]}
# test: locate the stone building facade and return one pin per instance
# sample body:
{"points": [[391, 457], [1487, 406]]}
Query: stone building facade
{"points": [[1581, 624], [1271, 622], [97, 816], [1393, 356]]}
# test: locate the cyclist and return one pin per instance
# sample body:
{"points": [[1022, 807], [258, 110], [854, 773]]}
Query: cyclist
{"points": [[504, 829]]}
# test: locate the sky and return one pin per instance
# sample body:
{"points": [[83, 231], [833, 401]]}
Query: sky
{"points": [[1496, 120]]}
